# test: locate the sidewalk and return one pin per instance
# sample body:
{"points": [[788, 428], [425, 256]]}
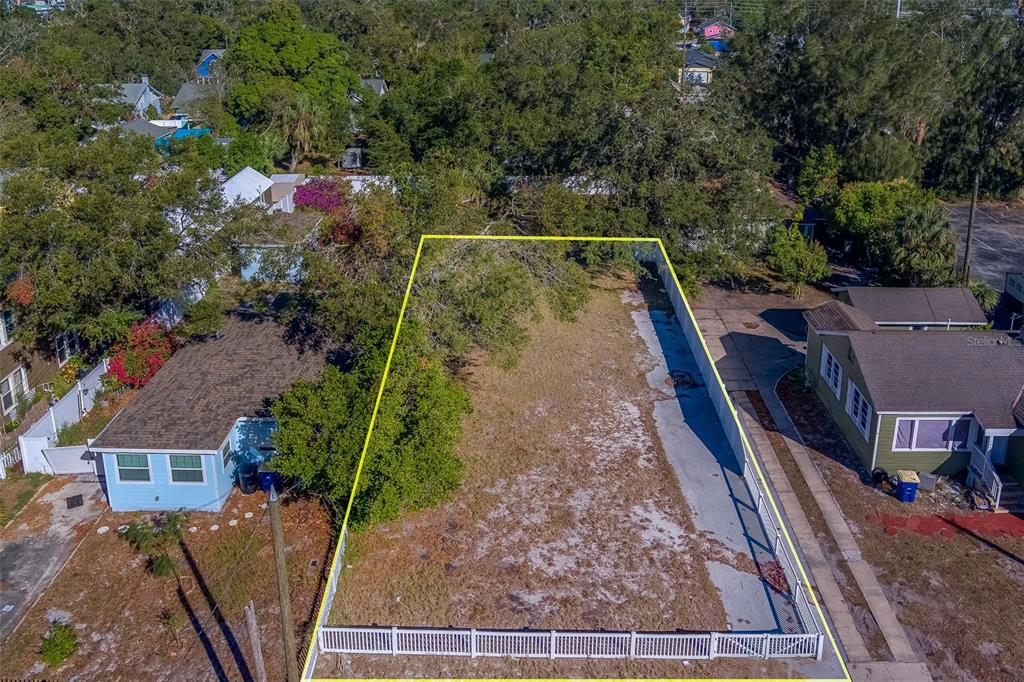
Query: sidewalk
{"points": [[753, 355]]}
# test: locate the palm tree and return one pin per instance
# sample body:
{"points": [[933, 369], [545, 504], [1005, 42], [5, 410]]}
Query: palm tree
{"points": [[923, 250], [301, 127]]}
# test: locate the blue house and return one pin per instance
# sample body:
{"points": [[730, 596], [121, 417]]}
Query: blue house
{"points": [[205, 63], [179, 443]]}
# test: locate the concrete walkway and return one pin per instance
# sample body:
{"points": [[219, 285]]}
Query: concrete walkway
{"points": [[37, 544], [756, 354]]}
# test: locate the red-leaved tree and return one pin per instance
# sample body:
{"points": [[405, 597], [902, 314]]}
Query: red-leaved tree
{"points": [[136, 360]]}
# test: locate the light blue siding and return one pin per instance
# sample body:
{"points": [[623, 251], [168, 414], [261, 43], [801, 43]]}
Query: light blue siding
{"points": [[247, 441], [160, 493]]}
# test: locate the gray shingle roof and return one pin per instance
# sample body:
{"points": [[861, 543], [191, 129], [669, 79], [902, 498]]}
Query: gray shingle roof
{"points": [[697, 59], [191, 92], [839, 317], [943, 371], [910, 305], [193, 400], [144, 127]]}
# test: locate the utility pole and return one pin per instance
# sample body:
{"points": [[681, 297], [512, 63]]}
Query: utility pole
{"points": [[970, 229], [254, 642], [287, 625]]}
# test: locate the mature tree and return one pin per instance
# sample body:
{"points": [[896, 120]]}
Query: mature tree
{"points": [[867, 211], [284, 75]]}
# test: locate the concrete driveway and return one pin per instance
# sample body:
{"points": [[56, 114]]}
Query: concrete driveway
{"points": [[37, 543], [998, 240]]}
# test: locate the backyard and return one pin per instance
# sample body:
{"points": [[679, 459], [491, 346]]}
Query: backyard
{"points": [[944, 585], [570, 516]]}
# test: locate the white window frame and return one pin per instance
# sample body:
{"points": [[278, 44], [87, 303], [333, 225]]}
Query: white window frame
{"points": [[915, 421], [831, 371], [117, 469], [201, 470], [15, 391], [225, 455], [6, 338], [69, 341], [859, 409]]}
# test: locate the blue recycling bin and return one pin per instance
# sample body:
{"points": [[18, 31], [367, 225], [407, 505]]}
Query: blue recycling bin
{"points": [[906, 486]]}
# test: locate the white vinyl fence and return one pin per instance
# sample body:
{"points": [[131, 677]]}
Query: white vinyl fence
{"points": [[68, 410], [474, 643], [9, 456], [325, 607]]}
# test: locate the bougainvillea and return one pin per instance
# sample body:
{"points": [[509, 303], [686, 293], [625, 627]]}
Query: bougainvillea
{"points": [[322, 194], [21, 290], [136, 360]]}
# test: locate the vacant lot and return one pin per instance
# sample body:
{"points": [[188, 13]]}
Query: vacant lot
{"points": [[131, 624], [569, 516], [961, 599]]}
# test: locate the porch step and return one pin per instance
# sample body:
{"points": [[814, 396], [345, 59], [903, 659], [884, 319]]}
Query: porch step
{"points": [[1012, 497]]}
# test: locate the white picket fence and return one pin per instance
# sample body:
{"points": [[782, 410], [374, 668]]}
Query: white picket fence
{"points": [[396, 641], [10, 456], [67, 411]]}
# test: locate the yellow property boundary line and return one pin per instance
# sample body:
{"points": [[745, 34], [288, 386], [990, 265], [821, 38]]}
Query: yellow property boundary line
{"points": [[732, 409]]}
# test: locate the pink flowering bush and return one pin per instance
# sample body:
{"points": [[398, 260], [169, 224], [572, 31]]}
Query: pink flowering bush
{"points": [[135, 361], [322, 194]]}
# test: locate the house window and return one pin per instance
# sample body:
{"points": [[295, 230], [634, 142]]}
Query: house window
{"points": [[932, 434], [858, 408], [186, 468], [67, 345], [133, 467], [12, 387], [6, 327], [831, 371], [225, 453]]}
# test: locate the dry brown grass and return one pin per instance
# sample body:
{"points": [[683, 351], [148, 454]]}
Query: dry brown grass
{"points": [[960, 599], [569, 516]]}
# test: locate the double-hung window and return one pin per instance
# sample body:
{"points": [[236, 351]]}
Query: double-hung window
{"points": [[932, 434], [186, 468], [133, 468], [67, 345], [858, 408], [225, 454], [831, 371], [12, 387]]}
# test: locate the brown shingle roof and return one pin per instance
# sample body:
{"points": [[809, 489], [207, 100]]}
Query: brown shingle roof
{"points": [[942, 371], [839, 317], [193, 401], [909, 305]]}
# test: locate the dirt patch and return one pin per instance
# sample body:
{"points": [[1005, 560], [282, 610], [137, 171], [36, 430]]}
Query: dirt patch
{"points": [[15, 492], [961, 597], [569, 516], [123, 615]]}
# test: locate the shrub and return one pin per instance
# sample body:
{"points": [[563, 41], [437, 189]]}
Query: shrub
{"points": [[58, 644], [322, 194], [135, 361], [986, 294], [797, 260]]}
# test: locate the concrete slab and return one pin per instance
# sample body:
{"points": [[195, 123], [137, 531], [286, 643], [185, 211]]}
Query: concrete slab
{"points": [[32, 558]]}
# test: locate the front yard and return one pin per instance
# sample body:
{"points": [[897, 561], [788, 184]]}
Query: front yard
{"points": [[15, 492], [960, 598], [131, 624]]}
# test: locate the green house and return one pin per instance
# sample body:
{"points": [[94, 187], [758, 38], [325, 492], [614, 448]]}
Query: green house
{"points": [[945, 402]]}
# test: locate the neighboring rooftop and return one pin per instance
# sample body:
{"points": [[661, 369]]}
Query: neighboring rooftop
{"points": [[144, 127], [378, 85], [836, 316], [944, 371], [245, 187], [189, 93], [131, 93], [193, 401], [695, 59], [916, 306]]}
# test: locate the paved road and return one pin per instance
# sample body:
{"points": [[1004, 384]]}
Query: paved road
{"points": [[37, 543], [998, 240]]}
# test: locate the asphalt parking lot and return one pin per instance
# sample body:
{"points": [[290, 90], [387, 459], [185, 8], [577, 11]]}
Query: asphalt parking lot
{"points": [[998, 240]]}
